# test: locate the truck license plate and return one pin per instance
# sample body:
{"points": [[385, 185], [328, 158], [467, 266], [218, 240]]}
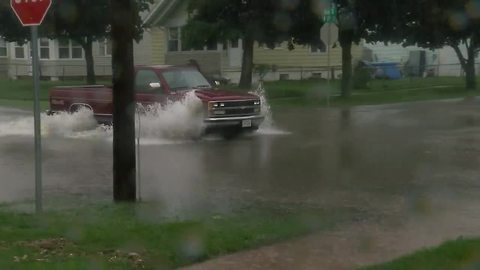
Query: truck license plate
{"points": [[247, 123]]}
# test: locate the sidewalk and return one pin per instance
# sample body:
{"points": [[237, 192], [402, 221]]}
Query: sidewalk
{"points": [[356, 245]]}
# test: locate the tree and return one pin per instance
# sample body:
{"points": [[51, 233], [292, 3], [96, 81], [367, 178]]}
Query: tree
{"points": [[83, 21], [428, 23], [86, 21], [435, 23], [122, 16], [267, 22], [374, 20], [10, 28]]}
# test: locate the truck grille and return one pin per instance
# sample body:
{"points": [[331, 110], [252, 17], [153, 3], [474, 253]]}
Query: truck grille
{"points": [[230, 104], [234, 108], [240, 111]]}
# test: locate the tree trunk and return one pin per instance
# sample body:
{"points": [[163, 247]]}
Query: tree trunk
{"points": [[471, 80], [124, 184], [88, 48], [247, 63], [468, 65], [346, 39]]}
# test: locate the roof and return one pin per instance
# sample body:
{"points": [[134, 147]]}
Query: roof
{"points": [[161, 11], [160, 66], [165, 67], [154, 67]]}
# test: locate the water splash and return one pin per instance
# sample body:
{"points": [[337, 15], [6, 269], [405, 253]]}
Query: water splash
{"points": [[175, 120], [59, 125], [170, 123], [67, 124], [266, 109], [268, 125]]}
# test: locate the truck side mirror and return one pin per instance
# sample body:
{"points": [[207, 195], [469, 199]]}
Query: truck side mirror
{"points": [[155, 86]]}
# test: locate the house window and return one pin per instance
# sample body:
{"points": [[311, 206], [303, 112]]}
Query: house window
{"points": [[105, 47], [173, 39], [19, 51], [44, 48], [175, 43], [77, 50], [3, 48], [64, 49], [68, 49]]}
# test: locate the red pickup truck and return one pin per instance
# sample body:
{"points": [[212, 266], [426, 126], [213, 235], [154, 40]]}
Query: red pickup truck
{"points": [[223, 110]]}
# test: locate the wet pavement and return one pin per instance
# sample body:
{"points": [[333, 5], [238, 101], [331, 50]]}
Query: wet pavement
{"points": [[360, 244], [416, 163]]}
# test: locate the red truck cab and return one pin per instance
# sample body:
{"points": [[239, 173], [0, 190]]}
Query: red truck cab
{"points": [[235, 111]]}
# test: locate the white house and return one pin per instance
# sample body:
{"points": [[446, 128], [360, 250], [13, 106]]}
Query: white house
{"points": [[167, 18], [442, 62], [58, 59]]}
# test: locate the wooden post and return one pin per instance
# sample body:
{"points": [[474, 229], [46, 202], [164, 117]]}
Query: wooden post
{"points": [[124, 168]]}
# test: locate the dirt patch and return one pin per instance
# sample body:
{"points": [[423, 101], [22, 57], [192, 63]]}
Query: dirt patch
{"points": [[134, 258], [46, 250]]}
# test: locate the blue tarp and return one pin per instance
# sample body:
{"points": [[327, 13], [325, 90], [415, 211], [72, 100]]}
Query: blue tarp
{"points": [[387, 70]]}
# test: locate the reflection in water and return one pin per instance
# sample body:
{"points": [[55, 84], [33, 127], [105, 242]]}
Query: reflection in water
{"points": [[413, 168], [346, 134], [332, 157]]}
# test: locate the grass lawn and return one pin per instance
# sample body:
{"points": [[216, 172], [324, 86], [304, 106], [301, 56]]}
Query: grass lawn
{"points": [[461, 254], [135, 236], [19, 93], [23, 89], [375, 98], [289, 93], [315, 92], [23, 104]]}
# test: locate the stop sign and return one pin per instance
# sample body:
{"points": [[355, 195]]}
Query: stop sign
{"points": [[30, 12]]}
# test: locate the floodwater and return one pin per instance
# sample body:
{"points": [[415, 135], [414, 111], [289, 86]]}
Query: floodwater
{"points": [[372, 155], [416, 165], [405, 160]]}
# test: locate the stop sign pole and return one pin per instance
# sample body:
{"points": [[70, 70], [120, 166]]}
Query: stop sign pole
{"points": [[31, 13]]}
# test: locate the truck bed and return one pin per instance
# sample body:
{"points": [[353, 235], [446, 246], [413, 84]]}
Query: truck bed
{"points": [[70, 98]]}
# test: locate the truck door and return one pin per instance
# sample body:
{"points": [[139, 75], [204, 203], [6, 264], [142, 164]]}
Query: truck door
{"points": [[148, 88]]}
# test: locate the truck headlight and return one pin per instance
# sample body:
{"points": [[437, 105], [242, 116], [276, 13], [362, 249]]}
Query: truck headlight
{"points": [[256, 102], [212, 105]]}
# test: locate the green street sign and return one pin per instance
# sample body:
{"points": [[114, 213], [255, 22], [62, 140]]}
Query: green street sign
{"points": [[330, 15]]}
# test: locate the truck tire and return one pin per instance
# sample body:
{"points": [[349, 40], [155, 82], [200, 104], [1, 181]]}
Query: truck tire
{"points": [[76, 107]]}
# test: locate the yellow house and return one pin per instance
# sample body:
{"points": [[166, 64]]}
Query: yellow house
{"points": [[168, 16]]}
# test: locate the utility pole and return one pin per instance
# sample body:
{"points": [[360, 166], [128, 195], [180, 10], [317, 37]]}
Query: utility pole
{"points": [[124, 169]]}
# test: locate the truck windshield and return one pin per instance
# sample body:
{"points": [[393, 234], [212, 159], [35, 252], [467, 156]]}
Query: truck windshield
{"points": [[182, 79]]}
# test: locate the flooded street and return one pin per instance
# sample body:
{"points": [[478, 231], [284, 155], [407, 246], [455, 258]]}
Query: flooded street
{"points": [[403, 160], [369, 156]]}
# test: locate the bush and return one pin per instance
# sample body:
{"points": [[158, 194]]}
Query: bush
{"points": [[362, 76]]}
